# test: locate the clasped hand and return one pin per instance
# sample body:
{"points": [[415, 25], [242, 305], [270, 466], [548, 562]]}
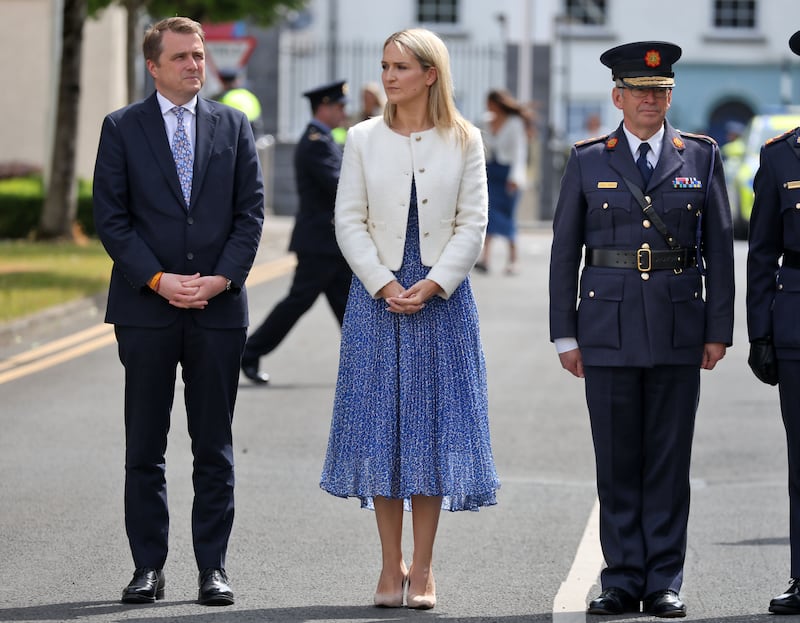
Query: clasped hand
{"points": [[410, 301], [190, 291]]}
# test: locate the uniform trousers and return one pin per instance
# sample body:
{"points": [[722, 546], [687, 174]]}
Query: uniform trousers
{"points": [[642, 422], [789, 390], [314, 275], [209, 360]]}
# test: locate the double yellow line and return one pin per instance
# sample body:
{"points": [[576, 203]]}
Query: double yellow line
{"points": [[98, 336]]}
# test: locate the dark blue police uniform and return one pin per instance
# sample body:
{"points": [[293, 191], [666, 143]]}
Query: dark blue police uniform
{"points": [[773, 306], [644, 313], [321, 268]]}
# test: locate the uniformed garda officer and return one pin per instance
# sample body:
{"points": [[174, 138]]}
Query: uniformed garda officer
{"points": [[321, 269], [654, 306], [773, 307]]}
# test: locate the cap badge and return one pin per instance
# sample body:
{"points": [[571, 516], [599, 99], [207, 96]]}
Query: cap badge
{"points": [[612, 143], [652, 58], [678, 143]]}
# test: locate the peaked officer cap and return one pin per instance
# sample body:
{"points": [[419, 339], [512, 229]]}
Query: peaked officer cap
{"points": [[332, 93], [794, 43], [642, 64]]}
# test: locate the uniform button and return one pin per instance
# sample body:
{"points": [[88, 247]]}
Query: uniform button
{"points": [[780, 286], [797, 206], [591, 294], [697, 295], [645, 276], [605, 206], [688, 206], [190, 221], [645, 245], [190, 256], [646, 224], [647, 199]]}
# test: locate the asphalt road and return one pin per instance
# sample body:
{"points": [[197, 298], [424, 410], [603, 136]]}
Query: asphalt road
{"points": [[298, 554]]}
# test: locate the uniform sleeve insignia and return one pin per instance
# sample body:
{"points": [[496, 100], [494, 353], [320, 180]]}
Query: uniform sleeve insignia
{"points": [[652, 58], [678, 142], [314, 136], [612, 142]]}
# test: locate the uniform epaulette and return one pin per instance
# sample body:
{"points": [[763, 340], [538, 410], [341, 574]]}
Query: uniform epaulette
{"points": [[591, 141], [780, 137], [702, 137]]}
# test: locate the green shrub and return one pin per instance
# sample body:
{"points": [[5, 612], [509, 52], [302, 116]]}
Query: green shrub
{"points": [[21, 202]]}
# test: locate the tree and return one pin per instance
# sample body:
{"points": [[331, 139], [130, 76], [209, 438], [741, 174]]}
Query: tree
{"points": [[60, 206]]}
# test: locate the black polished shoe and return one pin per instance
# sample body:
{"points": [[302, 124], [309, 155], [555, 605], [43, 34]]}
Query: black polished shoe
{"points": [[214, 588], [787, 602], [146, 586], [613, 601], [251, 371], [665, 604]]}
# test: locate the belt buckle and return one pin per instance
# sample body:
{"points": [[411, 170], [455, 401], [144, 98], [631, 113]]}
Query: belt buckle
{"points": [[644, 260]]}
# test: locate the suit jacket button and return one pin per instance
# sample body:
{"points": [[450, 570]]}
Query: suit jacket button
{"points": [[645, 276], [190, 221], [418, 138], [190, 256], [424, 201]]}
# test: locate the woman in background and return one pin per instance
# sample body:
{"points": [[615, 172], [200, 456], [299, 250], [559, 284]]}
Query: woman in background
{"points": [[506, 139], [410, 423]]}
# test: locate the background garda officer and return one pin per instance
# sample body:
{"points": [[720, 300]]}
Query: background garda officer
{"points": [[320, 265], [642, 331], [773, 306]]}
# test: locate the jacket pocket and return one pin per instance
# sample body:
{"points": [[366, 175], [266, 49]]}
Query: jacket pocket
{"points": [[599, 310], [785, 327], [688, 311]]}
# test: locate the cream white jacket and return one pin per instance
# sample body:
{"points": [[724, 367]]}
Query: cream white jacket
{"points": [[373, 197]]}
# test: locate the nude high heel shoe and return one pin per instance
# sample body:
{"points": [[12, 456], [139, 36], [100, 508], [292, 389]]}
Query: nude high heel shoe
{"points": [[391, 600], [424, 601]]}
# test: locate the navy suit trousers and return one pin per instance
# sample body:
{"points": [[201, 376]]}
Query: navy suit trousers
{"points": [[209, 360], [642, 426]]}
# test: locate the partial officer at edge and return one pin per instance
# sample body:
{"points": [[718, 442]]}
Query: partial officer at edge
{"points": [[642, 331], [773, 305]]}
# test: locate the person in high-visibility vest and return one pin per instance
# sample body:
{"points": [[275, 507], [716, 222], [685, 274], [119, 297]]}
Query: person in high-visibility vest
{"points": [[237, 96]]}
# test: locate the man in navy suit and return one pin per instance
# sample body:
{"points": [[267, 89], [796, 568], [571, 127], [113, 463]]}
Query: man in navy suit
{"points": [[773, 305], [321, 268], [655, 226], [178, 203]]}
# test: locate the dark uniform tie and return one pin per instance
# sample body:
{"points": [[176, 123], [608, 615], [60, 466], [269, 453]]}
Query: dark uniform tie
{"points": [[644, 166]]}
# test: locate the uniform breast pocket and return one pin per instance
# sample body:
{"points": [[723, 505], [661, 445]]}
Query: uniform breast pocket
{"points": [[785, 307], [599, 310], [680, 213], [608, 218], [790, 214], [688, 311]]}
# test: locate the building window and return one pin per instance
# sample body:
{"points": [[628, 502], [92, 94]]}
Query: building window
{"points": [[735, 13], [437, 11], [588, 12]]}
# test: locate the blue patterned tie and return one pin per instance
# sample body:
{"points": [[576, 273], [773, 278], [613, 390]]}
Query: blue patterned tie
{"points": [[644, 166], [182, 152]]}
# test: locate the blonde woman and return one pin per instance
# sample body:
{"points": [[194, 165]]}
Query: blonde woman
{"points": [[410, 423]]}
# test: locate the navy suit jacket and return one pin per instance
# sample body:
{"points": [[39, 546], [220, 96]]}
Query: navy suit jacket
{"points": [[773, 292], [144, 224], [317, 162], [622, 319]]}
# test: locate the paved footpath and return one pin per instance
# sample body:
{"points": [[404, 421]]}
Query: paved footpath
{"points": [[298, 554]]}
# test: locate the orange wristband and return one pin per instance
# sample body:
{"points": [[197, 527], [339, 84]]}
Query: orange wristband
{"points": [[155, 281]]}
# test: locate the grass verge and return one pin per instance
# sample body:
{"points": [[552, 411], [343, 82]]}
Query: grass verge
{"points": [[37, 275]]}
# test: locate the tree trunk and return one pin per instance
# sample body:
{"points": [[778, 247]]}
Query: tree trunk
{"points": [[61, 202]]}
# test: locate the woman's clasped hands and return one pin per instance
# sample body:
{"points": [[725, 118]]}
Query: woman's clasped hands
{"points": [[410, 301]]}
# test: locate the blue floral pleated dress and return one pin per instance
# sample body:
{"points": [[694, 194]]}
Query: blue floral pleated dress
{"points": [[410, 416]]}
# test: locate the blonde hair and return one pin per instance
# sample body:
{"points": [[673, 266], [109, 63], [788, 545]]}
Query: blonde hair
{"points": [[431, 51]]}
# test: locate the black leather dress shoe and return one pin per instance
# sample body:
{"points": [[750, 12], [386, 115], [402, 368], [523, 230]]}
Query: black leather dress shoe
{"points": [[665, 604], [214, 588], [251, 371], [146, 586], [613, 601], [787, 602]]}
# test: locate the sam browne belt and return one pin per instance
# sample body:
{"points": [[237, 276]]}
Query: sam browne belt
{"points": [[643, 259]]}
